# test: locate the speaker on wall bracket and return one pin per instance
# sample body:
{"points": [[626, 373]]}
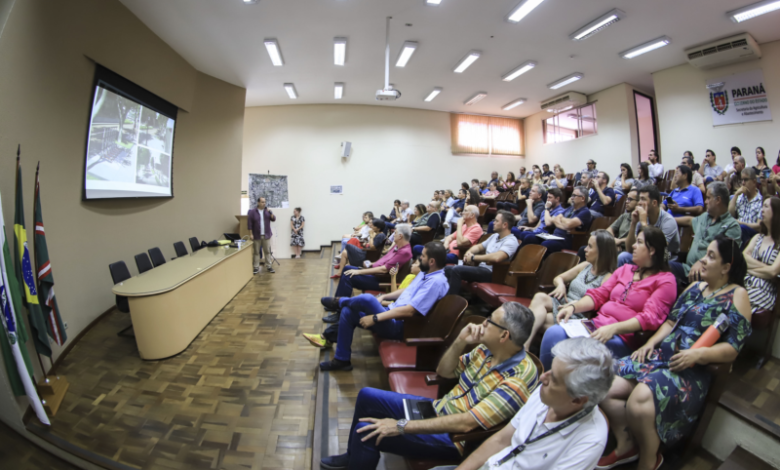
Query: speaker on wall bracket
{"points": [[346, 149]]}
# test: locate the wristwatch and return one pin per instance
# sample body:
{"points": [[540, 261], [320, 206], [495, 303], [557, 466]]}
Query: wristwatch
{"points": [[401, 425], [376, 320]]}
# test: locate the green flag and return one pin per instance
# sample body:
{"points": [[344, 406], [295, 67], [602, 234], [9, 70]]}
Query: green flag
{"points": [[24, 270]]}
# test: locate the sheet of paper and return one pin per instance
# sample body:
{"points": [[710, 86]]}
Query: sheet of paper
{"points": [[575, 329], [548, 236]]}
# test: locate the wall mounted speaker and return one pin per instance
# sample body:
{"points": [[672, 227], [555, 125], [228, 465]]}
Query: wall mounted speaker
{"points": [[346, 148]]}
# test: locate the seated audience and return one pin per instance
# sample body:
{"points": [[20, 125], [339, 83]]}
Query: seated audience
{"points": [[735, 152], [528, 218], [635, 298], [523, 174], [366, 311], [686, 198], [661, 388], [429, 221], [776, 166], [620, 227], [625, 181], [495, 380], [536, 177], [576, 218], [648, 211], [763, 264], [494, 178], [643, 175], [600, 194], [483, 187], [655, 168], [697, 180], [509, 183], [449, 200], [478, 260], [360, 231], [590, 170], [491, 192], [547, 175], [746, 204], [475, 184], [559, 181], [356, 255], [552, 208], [467, 231], [524, 188], [394, 213], [761, 165], [453, 213], [600, 262], [734, 179], [716, 221], [710, 169], [580, 377]]}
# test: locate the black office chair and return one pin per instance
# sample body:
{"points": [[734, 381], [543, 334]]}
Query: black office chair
{"points": [[157, 257], [120, 273], [143, 263], [194, 244], [180, 249]]}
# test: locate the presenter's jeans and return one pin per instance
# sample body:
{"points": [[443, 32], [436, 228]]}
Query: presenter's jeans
{"points": [[261, 244], [555, 334], [381, 404], [355, 308], [361, 282]]}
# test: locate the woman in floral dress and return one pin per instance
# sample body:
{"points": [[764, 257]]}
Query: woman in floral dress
{"points": [[297, 223], [661, 388]]}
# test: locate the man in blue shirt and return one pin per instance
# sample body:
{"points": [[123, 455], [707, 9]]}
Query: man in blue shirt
{"points": [[576, 218], [368, 312], [551, 209], [600, 194], [686, 198]]}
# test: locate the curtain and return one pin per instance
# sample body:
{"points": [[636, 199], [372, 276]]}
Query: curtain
{"points": [[486, 135]]}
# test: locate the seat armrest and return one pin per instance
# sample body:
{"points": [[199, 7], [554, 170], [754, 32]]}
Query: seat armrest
{"points": [[546, 288], [720, 368], [424, 341], [434, 379], [478, 434], [522, 273]]}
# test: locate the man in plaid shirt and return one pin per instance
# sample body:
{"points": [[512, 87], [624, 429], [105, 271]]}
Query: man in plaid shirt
{"points": [[746, 204], [495, 380]]}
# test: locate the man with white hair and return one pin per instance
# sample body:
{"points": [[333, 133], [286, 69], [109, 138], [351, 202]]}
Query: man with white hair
{"points": [[406, 211], [560, 427]]}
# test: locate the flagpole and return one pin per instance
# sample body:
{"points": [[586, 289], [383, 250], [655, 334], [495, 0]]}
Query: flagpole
{"points": [[35, 254]]}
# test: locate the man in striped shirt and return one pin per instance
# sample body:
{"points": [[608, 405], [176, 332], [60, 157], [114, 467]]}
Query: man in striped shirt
{"points": [[495, 380]]}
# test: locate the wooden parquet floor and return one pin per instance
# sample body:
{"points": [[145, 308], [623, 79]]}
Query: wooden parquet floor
{"points": [[18, 453], [240, 397], [755, 395]]}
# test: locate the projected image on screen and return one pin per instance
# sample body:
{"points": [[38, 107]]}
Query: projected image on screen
{"points": [[130, 148]]}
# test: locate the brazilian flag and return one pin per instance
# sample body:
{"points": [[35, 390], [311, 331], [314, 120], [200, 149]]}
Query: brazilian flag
{"points": [[24, 271]]}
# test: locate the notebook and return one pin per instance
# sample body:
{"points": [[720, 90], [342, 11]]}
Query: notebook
{"points": [[577, 328]]}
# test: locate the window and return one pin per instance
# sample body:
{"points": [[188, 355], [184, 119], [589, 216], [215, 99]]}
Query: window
{"points": [[570, 124], [486, 135], [645, 124]]}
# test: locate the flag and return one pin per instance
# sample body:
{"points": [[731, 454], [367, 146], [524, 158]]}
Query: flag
{"points": [[48, 303], [14, 337], [24, 271]]}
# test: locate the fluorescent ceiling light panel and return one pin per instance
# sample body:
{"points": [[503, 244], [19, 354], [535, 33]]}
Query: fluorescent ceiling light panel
{"points": [[338, 91], [406, 53], [519, 71], [433, 94], [433, 2], [339, 51], [273, 51], [475, 98], [290, 89], [523, 9], [597, 25], [565, 81], [646, 47], [250, 2], [513, 104], [467, 61], [751, 11]]}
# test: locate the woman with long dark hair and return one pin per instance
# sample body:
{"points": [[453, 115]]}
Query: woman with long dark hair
{"points": [[625, 181], [761, 256], [643, 176], [661, 388]]}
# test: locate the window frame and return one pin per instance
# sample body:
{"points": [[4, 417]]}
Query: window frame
{"points": [[579, 132]]}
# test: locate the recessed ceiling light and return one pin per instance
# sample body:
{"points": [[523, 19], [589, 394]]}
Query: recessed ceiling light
{"points": [[565, 81], [433, 94], [523, 9], [513, 104], [611, 17], [273, 51], [519, 71], [339, 51], [751, 11], [406, 53], [338, 91], [467, 61], [290, 89], [475, 98], [646, 47], [433, 2], [250, 2]]}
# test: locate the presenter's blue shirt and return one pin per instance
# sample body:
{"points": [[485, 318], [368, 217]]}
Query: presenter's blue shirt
{"points": [[424, 291], [583, 214], [688, 197]]}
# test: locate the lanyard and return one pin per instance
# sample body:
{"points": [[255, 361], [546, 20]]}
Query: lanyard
{"points": [[519, 449]]}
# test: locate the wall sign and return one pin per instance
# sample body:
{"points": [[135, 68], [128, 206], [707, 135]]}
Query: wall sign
{"points": [[739, 98]]}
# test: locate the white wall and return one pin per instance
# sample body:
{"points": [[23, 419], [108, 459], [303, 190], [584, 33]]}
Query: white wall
{"points": [[398, 153], [614, 143], [685, 113]]}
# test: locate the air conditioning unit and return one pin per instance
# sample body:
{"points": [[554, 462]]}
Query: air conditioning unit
{"points": [[724, 52], [564, 102]]}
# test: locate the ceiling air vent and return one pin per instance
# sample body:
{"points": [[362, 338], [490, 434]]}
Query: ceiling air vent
{"points": [[564, 102], [724, 52]]}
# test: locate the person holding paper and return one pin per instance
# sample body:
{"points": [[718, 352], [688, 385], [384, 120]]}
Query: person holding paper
{"points": [[661, 388], [635, 298]]}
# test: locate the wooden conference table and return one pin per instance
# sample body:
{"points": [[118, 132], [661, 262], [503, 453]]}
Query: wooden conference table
{"points": [[171, 304]]}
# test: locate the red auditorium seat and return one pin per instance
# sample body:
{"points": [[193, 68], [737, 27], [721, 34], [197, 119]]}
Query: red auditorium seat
{"points": [[522, 270], [554, 265]]}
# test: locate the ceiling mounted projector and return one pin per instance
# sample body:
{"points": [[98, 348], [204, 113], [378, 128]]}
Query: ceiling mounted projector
{"points": [[388, 93]]}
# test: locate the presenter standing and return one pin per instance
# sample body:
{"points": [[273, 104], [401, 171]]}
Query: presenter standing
{"points": [[259, 225]]}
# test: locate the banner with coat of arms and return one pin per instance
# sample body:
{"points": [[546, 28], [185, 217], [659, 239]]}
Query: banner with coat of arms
{"points": [[739, 98]]}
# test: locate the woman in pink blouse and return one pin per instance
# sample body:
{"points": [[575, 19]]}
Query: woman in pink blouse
{"points": [[636, 298]]}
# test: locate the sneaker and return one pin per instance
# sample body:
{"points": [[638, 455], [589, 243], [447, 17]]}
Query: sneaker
{"points": [[331, 318], [613, 460], [255, 270], [318, 341], [335, 364], [335, 276], [331, 304], [271, 270], [335, 462]]}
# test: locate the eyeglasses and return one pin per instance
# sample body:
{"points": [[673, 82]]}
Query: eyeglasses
{"points": [[489, 320], [577, 195], [631, 199]]}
